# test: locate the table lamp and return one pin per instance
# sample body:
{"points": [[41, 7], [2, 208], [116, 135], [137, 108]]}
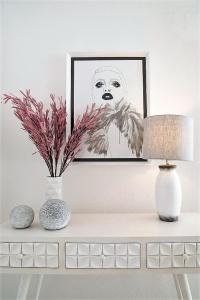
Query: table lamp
{"points": [[168, 137]]}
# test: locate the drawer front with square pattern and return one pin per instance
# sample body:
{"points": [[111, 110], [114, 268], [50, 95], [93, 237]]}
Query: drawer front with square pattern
{"points": [[173, 255], [29, 255], [102, 255]]}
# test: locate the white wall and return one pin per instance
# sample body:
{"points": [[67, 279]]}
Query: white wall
{"points": [[198, 145], [1, 76], [37, 35]]}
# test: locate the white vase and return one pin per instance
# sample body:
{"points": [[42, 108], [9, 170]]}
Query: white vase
{"points": [[54, 188], [168, 193], [55, 213]]}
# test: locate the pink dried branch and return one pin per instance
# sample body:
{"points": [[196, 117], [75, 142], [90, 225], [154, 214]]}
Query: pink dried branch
{"points": [[47, 128], [58, 124], [82, 125], [35, 121]]}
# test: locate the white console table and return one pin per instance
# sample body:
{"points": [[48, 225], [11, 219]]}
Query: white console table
{"points": [[103, 243]]}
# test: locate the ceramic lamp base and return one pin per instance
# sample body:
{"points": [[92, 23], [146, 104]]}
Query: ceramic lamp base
{"points": [[168, 193]]}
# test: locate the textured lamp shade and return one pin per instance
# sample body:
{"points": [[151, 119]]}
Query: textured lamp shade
{"points": [[168, 137]]}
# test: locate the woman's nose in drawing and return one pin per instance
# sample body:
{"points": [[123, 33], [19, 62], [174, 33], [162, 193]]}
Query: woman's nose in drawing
{"points": [[107, 90]]}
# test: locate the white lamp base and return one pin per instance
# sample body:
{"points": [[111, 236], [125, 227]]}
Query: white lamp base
{"points": [[168, 193]]}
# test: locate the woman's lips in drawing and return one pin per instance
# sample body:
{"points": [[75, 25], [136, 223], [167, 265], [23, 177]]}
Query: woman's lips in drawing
{"points": [[107, 96]]}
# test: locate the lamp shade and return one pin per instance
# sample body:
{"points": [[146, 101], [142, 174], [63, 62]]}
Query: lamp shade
{"points": [[168, 137]]}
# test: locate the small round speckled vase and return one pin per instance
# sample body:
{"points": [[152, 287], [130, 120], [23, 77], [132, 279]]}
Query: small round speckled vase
{"points": [[55, 213]]}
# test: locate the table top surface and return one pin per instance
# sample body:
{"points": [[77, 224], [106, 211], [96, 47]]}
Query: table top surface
{"points": [[111, 225]]}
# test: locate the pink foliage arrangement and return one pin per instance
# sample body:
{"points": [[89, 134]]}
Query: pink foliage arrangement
{"points": [[47, 128]]}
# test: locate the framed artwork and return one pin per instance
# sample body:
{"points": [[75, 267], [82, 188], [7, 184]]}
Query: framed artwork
{"points": [[119, 82]]}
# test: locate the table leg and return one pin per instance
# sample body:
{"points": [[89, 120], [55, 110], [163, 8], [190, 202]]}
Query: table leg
{"points": [[178, 288], [182, 287], [39, 286], [24, 284]]}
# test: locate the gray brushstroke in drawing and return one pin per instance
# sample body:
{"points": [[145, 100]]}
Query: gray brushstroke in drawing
{"points": [[108, 85]]}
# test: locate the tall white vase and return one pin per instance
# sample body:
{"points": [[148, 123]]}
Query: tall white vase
{"points": [[54, 188], [168, 194]]}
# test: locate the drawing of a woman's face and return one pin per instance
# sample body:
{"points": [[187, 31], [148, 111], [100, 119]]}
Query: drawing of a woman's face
{"points": [[108, 85]]}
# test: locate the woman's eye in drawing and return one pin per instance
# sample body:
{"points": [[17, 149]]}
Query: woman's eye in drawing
{"points": [[116, 84], [99, 84]]}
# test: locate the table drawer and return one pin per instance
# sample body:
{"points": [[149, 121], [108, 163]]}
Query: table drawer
{"points": [[173, 255], [102, 255], [29, 255]]}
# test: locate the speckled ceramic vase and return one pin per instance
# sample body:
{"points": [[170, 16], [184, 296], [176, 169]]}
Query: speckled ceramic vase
{"points": [[55, 212]]}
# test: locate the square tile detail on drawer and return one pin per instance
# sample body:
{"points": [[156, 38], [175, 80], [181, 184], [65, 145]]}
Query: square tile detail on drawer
{"points": [[52, 248], [178, 261], [4, 260], [83, 262], [27, 261], [165, 249], [190, 248], [27, 248], [153, 261], [178, 248], [133, 249], [198, 260], [153, 249], [83, 249], [71, 248], [96, 262], [96, 249], [40, 261], [39, 249], [198, 248], [52, 261], [16, 260], [71, 262], [108, 249], [108, 262], [134, 262], [165, 261], [121, 261], [191, 261], [4, 248], [15, 248], [121, 249]]}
